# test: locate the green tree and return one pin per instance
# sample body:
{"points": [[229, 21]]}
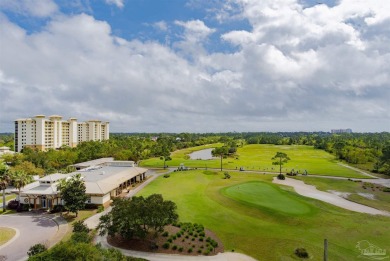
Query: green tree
{"points": [[4, 181], [19, 179], [73, 193], [160, 213], [221, 152], [136, 216], [279, 159]]}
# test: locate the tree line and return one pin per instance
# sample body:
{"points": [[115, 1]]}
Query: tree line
{"points": [[369, 150]]}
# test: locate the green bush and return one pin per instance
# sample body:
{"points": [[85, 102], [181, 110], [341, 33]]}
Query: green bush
{"points": [[180, 249], [36, 249], [281, 177], [201, 239], [301, 252], [81, 237], [386, 190], [174, 247], [174, 237], [178, 234], [79, 226], [100, 209], [169, 240], [165, 234], [166, 245], [166, 176], [190, 250]]}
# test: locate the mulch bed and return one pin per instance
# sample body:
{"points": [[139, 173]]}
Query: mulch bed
{"points": [[198, 247]]}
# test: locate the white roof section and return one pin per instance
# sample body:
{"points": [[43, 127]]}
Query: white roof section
{"points": [[93, 162], [98, 179]]}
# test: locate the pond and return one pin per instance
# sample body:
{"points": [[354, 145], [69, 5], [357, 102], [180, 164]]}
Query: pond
{"points": [[201, 154]]}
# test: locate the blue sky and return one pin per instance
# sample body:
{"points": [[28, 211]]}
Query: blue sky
{"points": [[198, 66]]}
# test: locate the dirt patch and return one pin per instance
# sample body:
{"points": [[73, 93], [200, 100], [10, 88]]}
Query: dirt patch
{"points": [[367, 195], [340, 194], [185, 244]]}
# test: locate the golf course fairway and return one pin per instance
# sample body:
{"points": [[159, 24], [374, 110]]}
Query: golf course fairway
{"points": [[268, 221]]}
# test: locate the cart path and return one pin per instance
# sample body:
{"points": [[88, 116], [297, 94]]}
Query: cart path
{"points": [[312, 192], [227, 256]]}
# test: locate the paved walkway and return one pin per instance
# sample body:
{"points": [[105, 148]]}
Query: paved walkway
{"points": [[32, 228], [228, 256], [312, 192]]}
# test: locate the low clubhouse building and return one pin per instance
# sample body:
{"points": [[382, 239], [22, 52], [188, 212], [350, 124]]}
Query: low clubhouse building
{"points": [[104, 179]]}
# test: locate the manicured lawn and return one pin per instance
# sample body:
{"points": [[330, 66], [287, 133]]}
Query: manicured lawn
{"points": [[267, 196], [263, 230], [258, 158], [6, 234], [71, 218], [381, 199], [7, 198]]}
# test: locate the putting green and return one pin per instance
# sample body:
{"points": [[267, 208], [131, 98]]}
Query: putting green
{"points": [[262, 195]]}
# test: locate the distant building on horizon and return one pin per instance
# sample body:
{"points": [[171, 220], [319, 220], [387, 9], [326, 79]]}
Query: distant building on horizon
{"points": [[53, 132], [341, 131]]}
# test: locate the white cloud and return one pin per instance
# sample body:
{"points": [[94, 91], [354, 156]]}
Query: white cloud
{"points": [[41, 8], [296, 68], [161, 25], [118, 3]]}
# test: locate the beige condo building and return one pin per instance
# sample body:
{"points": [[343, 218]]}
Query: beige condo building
{"points": [[54, 132]]}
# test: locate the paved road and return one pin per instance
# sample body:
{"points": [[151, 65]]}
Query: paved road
{"points": [[31, 229]]}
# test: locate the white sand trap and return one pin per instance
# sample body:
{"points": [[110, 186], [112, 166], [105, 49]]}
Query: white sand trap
{"points": [[311, 192]]}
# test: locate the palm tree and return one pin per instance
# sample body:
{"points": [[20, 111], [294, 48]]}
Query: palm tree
{"points": [[20, 179], [4, 181]]}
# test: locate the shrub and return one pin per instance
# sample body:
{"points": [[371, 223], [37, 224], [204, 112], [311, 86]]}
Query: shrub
{"points": [[100, 209], [301, 252], [193, 239], [201, 239], [166, 245], [81, 237], [281, 177], [169, 240], [174, 237], [79, 226], [186, 236], [165, 234], [36, 249], [57, 208], [202, 234], [206, 252], [386, 190], [178, 234], [166, 176], [180, 249], [226, 175], [190, 250], [174, 247]]}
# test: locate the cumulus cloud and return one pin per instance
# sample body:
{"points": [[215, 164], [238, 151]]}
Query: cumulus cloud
{"points": [[42, 8], [296, 68]]}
